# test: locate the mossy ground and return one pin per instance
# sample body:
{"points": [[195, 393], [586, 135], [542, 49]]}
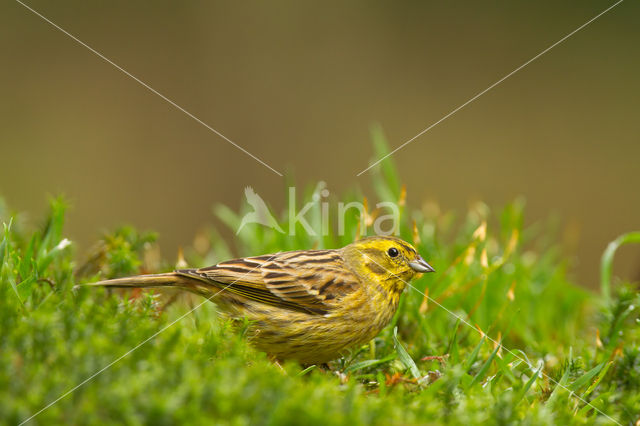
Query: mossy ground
{"points": [[498, 280]]}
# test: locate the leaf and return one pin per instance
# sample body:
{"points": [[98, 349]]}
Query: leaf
{"points": [[472, 358], [562, 384], [25, 287], [4, 246], [597, 381], [369, 363], [586, 377], [598, 403], [50, 255], [452, 350], [404, 356], [504, 368], [528, 385], [53, 231], [15, 289], [486, 365], [26, 262], [306, 370], [606, 263]]}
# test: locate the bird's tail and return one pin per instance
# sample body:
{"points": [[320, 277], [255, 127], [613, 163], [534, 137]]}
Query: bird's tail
{"points": [[170, 279]]}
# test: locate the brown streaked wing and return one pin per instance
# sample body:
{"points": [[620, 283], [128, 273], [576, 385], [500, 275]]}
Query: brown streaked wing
{"points": [[309, 277], [309, 280]]}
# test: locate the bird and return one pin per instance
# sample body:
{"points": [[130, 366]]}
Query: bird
{"points": [[311, 306]]}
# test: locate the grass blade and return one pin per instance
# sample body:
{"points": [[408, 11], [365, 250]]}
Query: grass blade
{"points": [[586, 377], [528, 385], [474, 354], [597, 381], [404, 356], [306, 370], [4, 246], [452, 349], [562, 385], [369, 363], [606, 263], [485, 367]]}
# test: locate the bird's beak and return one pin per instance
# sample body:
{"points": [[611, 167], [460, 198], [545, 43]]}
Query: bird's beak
{"points": [[420, 265]]}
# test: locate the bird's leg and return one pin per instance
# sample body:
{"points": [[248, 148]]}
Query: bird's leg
{"points": [[324, 367]]}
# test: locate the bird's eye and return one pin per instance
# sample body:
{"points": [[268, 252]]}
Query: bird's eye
{"points": [[393, 252]]}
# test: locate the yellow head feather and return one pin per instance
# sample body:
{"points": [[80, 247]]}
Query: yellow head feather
{"points": [[389, 261]]}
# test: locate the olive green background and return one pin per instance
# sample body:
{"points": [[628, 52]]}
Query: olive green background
{"points": [[299, 84]]}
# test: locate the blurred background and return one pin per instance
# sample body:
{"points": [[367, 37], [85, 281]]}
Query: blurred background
{"points": [[299, 86]]}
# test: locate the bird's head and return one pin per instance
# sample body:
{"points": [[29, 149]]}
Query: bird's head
{"points": [[389, 261]]}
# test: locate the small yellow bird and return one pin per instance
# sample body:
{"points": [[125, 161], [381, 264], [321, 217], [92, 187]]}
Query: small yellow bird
{"points": [[307, 305]]}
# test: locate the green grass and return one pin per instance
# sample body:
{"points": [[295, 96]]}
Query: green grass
{"points": [[496, 281]]}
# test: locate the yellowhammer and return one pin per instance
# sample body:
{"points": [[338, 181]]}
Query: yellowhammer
{"points": [[307, 305]]}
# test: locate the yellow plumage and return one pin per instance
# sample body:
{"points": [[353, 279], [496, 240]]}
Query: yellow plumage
{"points": [[308, 305]]}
